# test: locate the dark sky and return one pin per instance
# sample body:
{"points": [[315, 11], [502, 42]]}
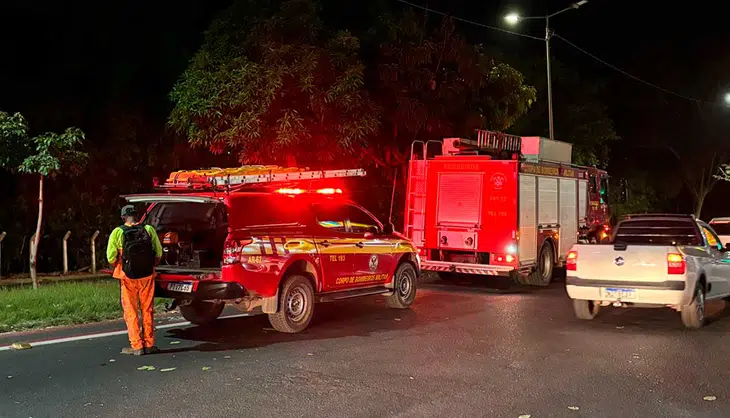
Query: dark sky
{"points": [[64, 61]]}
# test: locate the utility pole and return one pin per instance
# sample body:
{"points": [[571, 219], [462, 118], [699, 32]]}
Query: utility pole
{"points": [[514, 18], [549, 77]]}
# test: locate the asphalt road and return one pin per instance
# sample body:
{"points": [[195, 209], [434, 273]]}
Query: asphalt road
{"points": [[462, 350]]}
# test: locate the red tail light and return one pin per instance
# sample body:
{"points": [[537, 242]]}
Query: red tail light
{"points": [[676, 264], [232, 250], [571, 262]]}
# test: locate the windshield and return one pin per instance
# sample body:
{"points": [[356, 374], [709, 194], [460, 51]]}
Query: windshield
{"points": [[722, 228], [658, 232]]}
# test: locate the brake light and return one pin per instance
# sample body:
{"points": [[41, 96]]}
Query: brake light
{"points": [[232, 250], [676, 264], [571, 261]]}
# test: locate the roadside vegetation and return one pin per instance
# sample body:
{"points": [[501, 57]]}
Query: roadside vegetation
{"points": [[23, 308]]}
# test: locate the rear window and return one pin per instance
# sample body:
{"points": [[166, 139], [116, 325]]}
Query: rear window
{"points": [[658, 232], [250, 211], [186, 214], [722, 228]]}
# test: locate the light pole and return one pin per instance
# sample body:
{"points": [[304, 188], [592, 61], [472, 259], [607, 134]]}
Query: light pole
{"points": [[514, 18]]}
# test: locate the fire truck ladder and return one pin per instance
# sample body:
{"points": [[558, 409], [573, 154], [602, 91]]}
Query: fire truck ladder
{"points": [[498, 141], [416, 193], [235, 178]]}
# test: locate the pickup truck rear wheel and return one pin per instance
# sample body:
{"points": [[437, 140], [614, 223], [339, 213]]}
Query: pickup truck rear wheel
{"points": [[693, 315], [296, 305], [585, 309], [201, 313], [404, 287]]}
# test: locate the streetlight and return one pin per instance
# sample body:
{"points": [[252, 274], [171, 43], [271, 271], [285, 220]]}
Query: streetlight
{"points": [[514, 18], [727, 99]]}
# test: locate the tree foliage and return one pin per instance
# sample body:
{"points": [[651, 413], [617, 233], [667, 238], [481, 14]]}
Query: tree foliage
{"points": [[45, 156], [270, 83], [580, 116], [431, 83]]}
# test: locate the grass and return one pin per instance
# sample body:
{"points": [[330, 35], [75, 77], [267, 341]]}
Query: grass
{"points": [[23, 308]]}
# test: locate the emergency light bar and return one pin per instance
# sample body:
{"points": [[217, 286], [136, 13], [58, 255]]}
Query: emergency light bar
{"points": [[217, 178], [300, 191]]}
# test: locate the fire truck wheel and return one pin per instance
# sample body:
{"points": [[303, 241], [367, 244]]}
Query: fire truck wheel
{"points": [[201, 313], [585, 309], [404, 287], [296, 305], [543, 274]]}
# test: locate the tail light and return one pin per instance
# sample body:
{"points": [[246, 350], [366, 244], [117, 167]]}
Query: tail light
{"points": [[571, 261], [503, 258], [232, 250], [676, 264]]}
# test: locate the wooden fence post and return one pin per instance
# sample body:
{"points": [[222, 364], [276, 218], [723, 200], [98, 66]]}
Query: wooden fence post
{"points": [[93, 252], [32, 275], [2, 237], [65, 252]]}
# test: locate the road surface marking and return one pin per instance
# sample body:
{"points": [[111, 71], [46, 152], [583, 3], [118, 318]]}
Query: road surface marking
{"points": [[108, 334]]}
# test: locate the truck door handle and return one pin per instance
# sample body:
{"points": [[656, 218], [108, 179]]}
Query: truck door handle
{"points": [[359, 245], [325, 243]]}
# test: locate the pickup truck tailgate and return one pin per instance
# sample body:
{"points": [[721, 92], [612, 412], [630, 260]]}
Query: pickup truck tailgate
{"points": [[644, 263]]}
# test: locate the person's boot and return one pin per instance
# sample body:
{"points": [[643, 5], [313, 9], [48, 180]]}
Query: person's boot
{"points": [[151, 350], [132, 352]]}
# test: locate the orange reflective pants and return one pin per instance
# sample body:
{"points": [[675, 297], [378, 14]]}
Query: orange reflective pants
{"points": [[139, 295]]}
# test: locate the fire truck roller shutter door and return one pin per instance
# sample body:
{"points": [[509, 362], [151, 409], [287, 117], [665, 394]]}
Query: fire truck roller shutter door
{"points": [[528, 218]]}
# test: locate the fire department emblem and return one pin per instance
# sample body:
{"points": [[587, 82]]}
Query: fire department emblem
{"points": [[498, 181], [373, 262]]}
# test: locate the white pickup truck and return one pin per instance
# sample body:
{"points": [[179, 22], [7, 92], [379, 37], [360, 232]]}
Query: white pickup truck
{"points": [[652, 260]]}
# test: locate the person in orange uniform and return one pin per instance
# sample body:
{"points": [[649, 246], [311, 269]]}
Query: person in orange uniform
{"points": [[134, 250]]}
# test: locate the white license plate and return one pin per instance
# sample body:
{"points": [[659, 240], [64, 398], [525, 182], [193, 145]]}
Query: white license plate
{"points": [[618, 293], [180, 287]]}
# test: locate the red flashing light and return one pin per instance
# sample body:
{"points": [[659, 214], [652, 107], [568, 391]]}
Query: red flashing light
{"points": [[329, 191], [571, 262], [290, 191], [676, 264]]}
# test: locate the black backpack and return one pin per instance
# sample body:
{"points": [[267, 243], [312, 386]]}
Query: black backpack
{"points": [[138, 256]]}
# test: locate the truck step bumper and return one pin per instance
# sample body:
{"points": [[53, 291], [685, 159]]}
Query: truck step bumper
{"points": [[466, 268]]}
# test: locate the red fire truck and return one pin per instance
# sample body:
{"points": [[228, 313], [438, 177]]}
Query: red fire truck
{"points": [[501, 205]]}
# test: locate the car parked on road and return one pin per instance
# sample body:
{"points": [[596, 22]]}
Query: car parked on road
{"points": [[653, 260], [273, 249]]}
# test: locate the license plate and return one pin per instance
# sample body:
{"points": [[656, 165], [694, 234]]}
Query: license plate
{"points": [[618, 293], [180, 287]]}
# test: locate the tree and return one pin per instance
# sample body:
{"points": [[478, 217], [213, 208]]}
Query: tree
{"points": [[640, 195], [269, 83], [581, 117], [44, 155], [431, 83], [695, 139]]}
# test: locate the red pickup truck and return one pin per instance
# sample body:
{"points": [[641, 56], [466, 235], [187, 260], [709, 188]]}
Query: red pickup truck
{"points": [[277, 250]]}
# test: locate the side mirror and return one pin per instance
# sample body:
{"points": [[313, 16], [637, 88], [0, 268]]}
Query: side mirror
{"points": [[388, 228]]}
